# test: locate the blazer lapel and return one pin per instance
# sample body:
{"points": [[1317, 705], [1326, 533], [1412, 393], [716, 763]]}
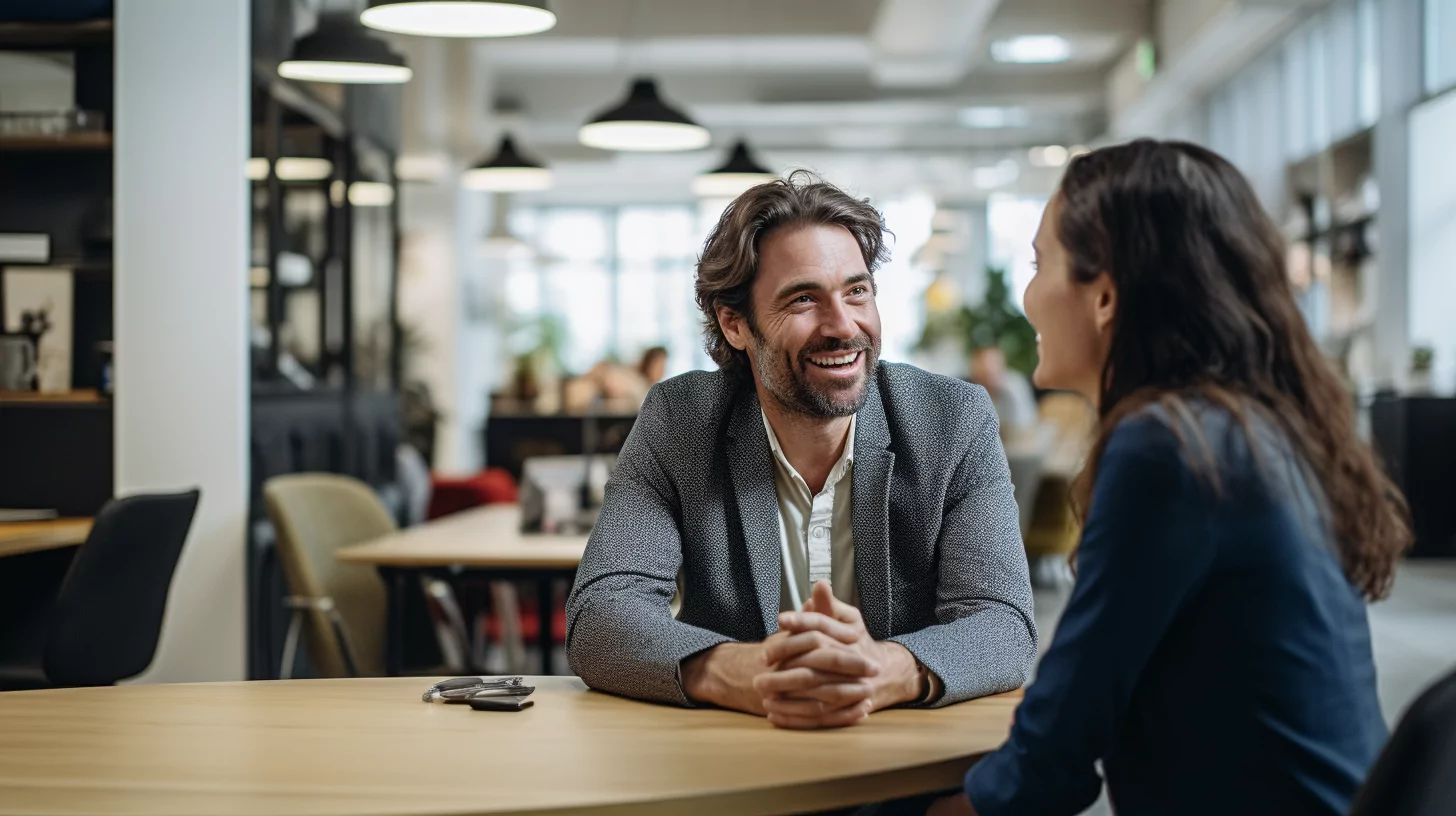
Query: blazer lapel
{"points": [[751, 470], [874, 466]]}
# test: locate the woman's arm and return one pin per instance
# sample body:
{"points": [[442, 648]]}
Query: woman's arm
{"points": [[1144, 552]]}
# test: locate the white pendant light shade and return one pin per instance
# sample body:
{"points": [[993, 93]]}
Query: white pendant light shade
{"points": [[371, 194], [643, 122], [292, 168], [460, 18], [507, 171], [735, 176], [500, 242], [341, 51]]}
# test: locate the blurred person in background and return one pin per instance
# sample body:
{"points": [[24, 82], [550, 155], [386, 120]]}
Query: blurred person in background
{"points": [[841, 531], [653, 365], [1215, 654], [1009, 389]]}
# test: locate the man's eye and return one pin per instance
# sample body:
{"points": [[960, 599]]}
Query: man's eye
{"points": [[859, 290], [803, 299]]}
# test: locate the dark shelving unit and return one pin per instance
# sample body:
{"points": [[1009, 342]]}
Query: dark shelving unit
{"points": [[58, 448]]}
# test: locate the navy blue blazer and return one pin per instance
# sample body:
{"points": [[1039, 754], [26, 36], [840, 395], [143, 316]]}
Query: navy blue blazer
{"points": [[1213, 657]]}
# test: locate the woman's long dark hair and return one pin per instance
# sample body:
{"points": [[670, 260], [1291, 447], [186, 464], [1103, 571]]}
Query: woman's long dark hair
{"points": [[1205, 311]]}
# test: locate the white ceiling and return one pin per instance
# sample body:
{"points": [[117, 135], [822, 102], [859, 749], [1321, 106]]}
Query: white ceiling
{"points": [[873, 84]]}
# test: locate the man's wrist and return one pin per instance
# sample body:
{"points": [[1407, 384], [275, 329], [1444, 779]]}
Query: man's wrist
{"points": [[706, 675], [900, 676]]}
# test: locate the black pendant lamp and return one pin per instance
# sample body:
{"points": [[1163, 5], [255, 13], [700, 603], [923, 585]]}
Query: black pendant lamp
{"points": [[507, 171], [643, 122], [459, 18], [340, 50], [739, 173]]}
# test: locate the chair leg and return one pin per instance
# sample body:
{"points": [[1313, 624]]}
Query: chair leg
{"points": [[290, 645], [507, 605], [449, 623]]}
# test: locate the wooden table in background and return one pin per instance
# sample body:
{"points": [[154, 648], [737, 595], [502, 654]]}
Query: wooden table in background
{"points": [[18, 537], [486, 540], [370, 746]]}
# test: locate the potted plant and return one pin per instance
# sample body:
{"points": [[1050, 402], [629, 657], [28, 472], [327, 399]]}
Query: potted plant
{"points": [[995, 321], [1423, 359]]}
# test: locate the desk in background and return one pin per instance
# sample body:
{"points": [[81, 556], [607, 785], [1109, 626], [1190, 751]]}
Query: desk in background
{"points": [[323, 747], [486, 540], [511, 438], [18, 537]]}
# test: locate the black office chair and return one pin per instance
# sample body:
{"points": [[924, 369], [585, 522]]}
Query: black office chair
{"points": [[104, 623], [1416, 773]]}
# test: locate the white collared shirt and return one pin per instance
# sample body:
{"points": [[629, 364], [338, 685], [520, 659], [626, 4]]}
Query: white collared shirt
{"points": [[816, 531]]}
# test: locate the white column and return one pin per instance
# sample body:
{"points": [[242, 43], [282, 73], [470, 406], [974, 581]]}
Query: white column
{"points": [[182, 125]]}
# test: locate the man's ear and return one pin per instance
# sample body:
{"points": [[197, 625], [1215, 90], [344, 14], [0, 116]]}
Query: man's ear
{"points": [[734, 327]]}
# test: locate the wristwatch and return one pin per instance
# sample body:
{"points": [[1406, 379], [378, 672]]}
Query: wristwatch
{"points": [[930, 686]]}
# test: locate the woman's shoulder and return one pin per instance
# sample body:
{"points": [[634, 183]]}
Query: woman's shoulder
{"points": [[1230, 444]]}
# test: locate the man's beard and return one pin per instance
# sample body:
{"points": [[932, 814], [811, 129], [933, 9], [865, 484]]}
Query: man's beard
{"points": [[786, 378]]}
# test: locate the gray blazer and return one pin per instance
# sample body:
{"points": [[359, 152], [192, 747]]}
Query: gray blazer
{"points": [[938, 554]]}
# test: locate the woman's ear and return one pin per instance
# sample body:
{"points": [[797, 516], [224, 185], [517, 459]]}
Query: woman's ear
{"points": [[1104, 306], [734, 327]]}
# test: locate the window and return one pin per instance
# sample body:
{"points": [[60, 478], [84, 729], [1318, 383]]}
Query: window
{"points": [[1012, 222], [616, 281]]}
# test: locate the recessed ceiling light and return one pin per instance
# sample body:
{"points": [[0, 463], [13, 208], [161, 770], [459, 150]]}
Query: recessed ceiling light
{"points": [[734, 176], [643, 122], [507, 171], [460, 18], [341, 51], [984, 117], [1032, 48], [1048, 156]]}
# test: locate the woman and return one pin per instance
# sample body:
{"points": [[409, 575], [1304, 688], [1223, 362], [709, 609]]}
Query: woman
{"points": [[1215, 654]]}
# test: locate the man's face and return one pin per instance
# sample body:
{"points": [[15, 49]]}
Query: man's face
{"points": [[815, 334]]}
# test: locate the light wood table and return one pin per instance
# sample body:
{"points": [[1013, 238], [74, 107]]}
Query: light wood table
{"points": [[487, 537], [487, 541], [369, 746], [17, 537]]}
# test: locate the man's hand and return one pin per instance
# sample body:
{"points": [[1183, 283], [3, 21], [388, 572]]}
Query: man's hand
{"points": [[958, 805], [723, 676], [827, 671]]}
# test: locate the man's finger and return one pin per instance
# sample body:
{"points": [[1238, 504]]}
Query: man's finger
{"points": [[836, 660], [814, 621], [796, 681], [850, 715], [808, 707], [822, 596], [826, 604], [831, 695], [796, 644]]}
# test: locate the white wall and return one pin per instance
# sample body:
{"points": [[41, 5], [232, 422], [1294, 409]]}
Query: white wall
{"points": [[181, 305], [1433, 235]]}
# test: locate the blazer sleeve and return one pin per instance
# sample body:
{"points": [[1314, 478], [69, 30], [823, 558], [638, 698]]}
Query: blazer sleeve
{"points": [[1145, 551], [985, 641], [621, 634]]}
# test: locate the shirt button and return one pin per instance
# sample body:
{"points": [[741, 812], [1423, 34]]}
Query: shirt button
{"points": [[818, 532]]}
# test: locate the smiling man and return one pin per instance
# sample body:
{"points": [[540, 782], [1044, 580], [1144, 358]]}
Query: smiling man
{"points": [[841, 531]]}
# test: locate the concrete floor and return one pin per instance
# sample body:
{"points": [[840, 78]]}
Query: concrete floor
{"points": [[1414, 633]]}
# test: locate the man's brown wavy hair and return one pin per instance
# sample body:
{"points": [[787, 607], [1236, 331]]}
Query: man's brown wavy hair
{"points": [[1205, 313], [729, 262]]}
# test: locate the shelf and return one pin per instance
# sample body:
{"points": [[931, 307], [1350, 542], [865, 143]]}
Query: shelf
{"points": [[45, 144], [82, 397], [55, 35]]}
